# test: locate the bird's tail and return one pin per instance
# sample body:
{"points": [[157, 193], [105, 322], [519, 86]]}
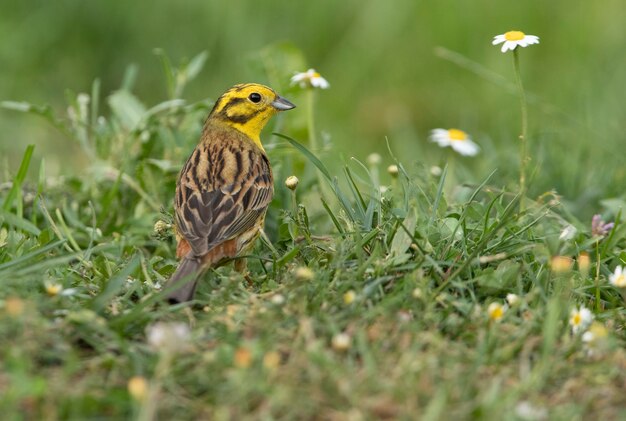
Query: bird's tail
{"points": [[184, 280]]}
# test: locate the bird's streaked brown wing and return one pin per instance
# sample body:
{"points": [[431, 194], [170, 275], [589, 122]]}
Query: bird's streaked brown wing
{"points": [[221, 194]]}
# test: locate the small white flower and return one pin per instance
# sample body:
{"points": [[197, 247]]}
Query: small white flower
{"points": [[435, 171], [567, 233], [166, 336], [618, 278], [456, 139], [527, 411], [310, 78], [580, 318], [588, 337], [278, 299], [512, 39]]}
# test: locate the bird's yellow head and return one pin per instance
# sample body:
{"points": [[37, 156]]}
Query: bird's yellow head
{"points": [[248, 107]]}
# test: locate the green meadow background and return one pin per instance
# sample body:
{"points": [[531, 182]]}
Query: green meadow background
{"points": [[386, 62], [363, 302]]}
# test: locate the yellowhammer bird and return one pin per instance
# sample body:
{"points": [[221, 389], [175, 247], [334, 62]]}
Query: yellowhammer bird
{"points": [[225, 186]]}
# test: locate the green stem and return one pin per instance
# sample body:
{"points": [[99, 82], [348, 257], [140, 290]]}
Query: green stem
{"points": [[523, 136], [311, 119], [598, 276], [312, 136], [148, 410]]}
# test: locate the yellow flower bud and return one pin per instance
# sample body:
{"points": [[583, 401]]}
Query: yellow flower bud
{"points": [[243, 358], [53, 289], [271, 360], [341, 342], [562, 264], [292, 182], [138, 387], [303, 273], [584, 263], [374, 159], [349, 297], [393, 170], [14, 306]]}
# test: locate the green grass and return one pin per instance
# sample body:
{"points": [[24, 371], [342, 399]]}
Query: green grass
{"points": [[423, 259]]}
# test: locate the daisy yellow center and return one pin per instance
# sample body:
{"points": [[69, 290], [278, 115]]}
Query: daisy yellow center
{"points": [[514, 35], [315, 75], [457, 135], [496, 313], [577, 319], [620, 281]]}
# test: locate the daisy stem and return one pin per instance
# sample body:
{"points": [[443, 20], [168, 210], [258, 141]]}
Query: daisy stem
{"points": [[523, 136], [311, 120], [312, 136]]}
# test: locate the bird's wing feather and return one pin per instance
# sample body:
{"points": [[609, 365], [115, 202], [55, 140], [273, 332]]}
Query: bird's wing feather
{"points": [[224, 198]]}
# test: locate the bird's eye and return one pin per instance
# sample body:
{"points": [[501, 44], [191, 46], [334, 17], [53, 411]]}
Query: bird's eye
{"points": [[255, 97]]}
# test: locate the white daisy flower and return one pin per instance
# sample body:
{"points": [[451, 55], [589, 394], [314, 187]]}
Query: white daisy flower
{"points": [[618, 278], [310, 78], [580, 318], [456, 139], [168, 336], [568, 233], [496, 311], [512, 39]]}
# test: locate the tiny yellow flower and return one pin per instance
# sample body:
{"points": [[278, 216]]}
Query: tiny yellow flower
{"points": [[349, 297], [417, 293], [561, 264], [303, 273], [243, 358], [341, 342], [14, 306], [596, 332], [271, 360], [138, 387], [393, 170], [53, 289], [231, 310], [512, 39], [310, 79], [618, 278], [580, 318], [292, 182], [456, 139], [584, 263], [496, 311]]}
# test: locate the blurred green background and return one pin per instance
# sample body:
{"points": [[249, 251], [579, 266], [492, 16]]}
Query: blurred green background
{"points": [[386, 62]]}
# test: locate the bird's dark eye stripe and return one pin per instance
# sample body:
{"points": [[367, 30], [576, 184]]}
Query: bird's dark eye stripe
{"points": [[255, 97]]}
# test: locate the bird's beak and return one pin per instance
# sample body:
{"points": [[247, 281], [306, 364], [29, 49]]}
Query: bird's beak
{"points": [[281, 104]]}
